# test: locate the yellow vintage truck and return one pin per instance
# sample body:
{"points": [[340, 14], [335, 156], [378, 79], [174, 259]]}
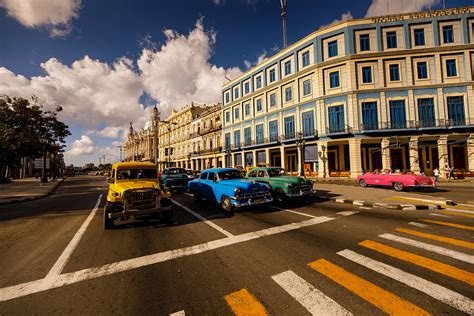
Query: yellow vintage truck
{"points": [[135, 192]]}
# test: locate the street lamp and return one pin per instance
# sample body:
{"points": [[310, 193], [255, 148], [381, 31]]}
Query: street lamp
{"points": [[322, 156], [300, 143]]}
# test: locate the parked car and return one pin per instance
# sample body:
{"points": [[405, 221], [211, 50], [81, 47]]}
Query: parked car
{"points": [[134, 191], [175, 179], [227, 187], [191, 174], [398, 181], [283, 186]]}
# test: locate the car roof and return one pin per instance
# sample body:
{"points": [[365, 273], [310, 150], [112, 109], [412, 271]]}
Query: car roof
{"points": [[263, 168], [133, 164], [218, 169]]}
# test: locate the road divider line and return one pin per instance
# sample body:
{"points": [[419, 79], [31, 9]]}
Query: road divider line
{"points": [[383, 299], [439, 215], [456, 210], [447, 240], [456, 213], [436, 249], [243, 303], [202, 218], [291, 211], [418, 224], [448, 224], [347, 213], [430, 264], [434, 290], [315, 301], [64, 257]]}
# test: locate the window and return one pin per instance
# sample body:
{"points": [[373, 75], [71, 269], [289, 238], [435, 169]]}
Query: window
{"points": [[227, 116], [272, 75], [369, 116], [289, 127], [419, 37], [272, 99], [397, 114], [307, 87], [305, 59], [334, 79], [227, 141], [237, 139], [448, 35], [332, 49], [259, 134], [451, 68], [203, 175], [336, 119], [288, 94], [287, 68], [426, 116], [253, 174], [227, 97], [367, 74], [273, 131], [364, 42], [307, 119], [258, 82], [247, 109], [422, 70], [211, 176], [394, 72], [456, 111], [392, 39], [247, 136], [259, 105], [237, 113], [246, 88], [236, 93]]}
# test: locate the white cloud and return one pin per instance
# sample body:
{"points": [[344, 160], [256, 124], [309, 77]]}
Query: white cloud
{"points": [[344, 17], [260, 59], [111, 132], [379, 7], [216, 2], [81, 147], [53, 14]]}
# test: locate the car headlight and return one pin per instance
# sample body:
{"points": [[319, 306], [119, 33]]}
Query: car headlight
{"points": [[127, 194], [291, 185], [237, 191]]}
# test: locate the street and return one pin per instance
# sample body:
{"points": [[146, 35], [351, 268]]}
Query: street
{"points": [[290, 259]]}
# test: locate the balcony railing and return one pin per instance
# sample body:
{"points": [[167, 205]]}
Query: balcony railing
{"points": [[411, 124], [287, 136], [310, 133], [338, 129], [210, 129]]}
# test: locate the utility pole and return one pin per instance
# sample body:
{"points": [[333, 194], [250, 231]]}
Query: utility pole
{"points": [[283, 16], [121, 148]]}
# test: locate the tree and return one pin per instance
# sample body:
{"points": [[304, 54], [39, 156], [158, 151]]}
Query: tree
{"points": [[26, 129]]}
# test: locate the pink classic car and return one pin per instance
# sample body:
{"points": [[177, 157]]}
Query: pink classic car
{"points": [[397, 181]]}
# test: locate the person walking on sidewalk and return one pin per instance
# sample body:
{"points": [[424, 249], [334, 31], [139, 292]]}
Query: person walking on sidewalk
{"points": [[451, 173], [436, 174]]}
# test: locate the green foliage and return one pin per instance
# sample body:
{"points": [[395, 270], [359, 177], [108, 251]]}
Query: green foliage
{"points": [[25, 128]]}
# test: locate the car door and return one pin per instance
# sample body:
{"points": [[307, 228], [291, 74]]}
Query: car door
{"points": [[201, 184], [210, 186]]}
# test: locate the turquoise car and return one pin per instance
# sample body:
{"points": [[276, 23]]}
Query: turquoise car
{"points": [[227, 187]]}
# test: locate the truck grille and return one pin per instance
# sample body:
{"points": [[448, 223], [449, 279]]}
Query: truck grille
{"points": [[142, 199]]}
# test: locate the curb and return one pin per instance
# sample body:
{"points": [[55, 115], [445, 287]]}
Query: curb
{"points": [[403, 207], [33, 198]]}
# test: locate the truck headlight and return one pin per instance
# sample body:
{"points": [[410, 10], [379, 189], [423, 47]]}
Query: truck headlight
{"points": [[127, 194], [156, 193]]}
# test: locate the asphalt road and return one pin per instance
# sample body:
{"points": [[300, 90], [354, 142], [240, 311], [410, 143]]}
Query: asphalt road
{"points": [[291, 259]]}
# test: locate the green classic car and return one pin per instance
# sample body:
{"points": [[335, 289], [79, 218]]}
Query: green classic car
{"points": [[283, 186]]}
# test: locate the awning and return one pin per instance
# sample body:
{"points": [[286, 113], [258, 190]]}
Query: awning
{"points": [[311, 153]]}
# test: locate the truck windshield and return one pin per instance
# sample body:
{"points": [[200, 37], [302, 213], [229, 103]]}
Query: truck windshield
{"points": [[275, 172], [127, 174], [230, 174]]}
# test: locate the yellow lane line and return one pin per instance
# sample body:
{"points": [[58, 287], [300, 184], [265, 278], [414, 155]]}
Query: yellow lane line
{"points": [[410, 199], [456, 213], [456, 242], [448, 224], [385, 300], [243, 303], [450, 271]]}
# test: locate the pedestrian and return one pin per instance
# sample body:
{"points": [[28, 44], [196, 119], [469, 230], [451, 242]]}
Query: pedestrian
{"points": [[436, 174], [451, 173]]}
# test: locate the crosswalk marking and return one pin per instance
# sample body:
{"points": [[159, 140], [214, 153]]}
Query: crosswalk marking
{"points": [[385, 300], [180, 313], [457, 213], [436, 291], [418, 224], [456, 242], [315, 301], [440, 250], [347, 213], [453, 272], [449, 224], [243, 303]]}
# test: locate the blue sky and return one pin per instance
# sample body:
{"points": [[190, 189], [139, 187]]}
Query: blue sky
{"points": [[138, 54]]}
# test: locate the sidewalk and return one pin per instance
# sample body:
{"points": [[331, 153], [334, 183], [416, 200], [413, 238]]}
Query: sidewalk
{"points": [[28, 189]]}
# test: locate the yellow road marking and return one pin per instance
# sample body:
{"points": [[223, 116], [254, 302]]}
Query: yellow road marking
{"points": [[453, 272], [385, 300], [463, 207], [457, 242], [456, 213], [448, 224], [243, 303], [409, 199]]}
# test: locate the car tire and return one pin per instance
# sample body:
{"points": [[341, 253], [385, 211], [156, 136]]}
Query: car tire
{"points": [[196, 196], [398, 186], [279, 196], [108, 222], [226, 204], [363, 183]]}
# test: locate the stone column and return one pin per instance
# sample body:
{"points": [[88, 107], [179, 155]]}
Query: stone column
{"points": [[355, 158], [244, 163], [443, 155], [413, 154], [254, 155], [323, 171], [470, 152], [267, 156], [386, 161], [299, 155], [282, 153]]}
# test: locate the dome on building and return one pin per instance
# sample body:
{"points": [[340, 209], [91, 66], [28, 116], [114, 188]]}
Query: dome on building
{"points": [[148, 125]]}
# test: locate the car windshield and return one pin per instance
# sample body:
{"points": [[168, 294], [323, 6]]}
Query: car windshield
{"points": [[275, 172], [176, 171], [230, 174], [128, 174]]}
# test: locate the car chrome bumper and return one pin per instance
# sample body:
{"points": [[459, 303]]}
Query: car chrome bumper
{"points": [[251, 201], [139, 212], [299, 193]]}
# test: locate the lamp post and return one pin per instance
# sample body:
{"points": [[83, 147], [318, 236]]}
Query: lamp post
{"points": [[322, 156], [300, 143], [44, 176]]}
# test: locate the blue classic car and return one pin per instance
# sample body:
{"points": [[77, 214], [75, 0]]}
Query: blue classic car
{"points": [[228, 187]]}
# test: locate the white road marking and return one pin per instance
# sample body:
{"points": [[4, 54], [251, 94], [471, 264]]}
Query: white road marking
{"points": [[440, 250], [189, 194], [418, 224], [459, 210], [64, 257], [347, 213], [315, 301], [439, 215], [365, 208], [28, 288], [291, 211], [180, 313], [202, 218], [434, 290], [358, 203], [339, 200]]}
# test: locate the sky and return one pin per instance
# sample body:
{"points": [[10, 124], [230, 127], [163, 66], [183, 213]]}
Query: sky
{"points": [[109, 62]]}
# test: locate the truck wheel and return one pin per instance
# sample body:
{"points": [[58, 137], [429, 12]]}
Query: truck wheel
{"points": [[226, 204], [108, 222], [363, 183], [398, 186]]}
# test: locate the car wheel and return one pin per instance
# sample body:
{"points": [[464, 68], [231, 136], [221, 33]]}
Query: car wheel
{"points": [[226, 204], [279, 195], [108, 222], [196, 196], [363, 183], [398, 186]]}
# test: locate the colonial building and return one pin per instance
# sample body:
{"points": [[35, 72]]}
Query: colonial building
{"points": [[141, 145], [391, 92]]}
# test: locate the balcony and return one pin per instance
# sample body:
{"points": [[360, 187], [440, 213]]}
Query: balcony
{"points": [[310, 133], [338, 130], [412, 125], [287, 137], [210, 129]]}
